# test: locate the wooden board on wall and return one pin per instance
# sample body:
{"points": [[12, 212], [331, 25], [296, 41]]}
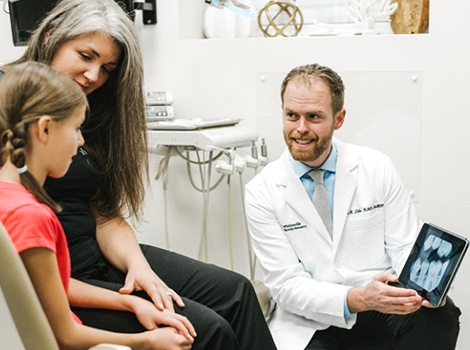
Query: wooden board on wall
{"points": [[411, 17]]}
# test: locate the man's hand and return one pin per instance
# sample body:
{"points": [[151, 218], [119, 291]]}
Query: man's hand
{"points": [[384, 298], [431, 306]]}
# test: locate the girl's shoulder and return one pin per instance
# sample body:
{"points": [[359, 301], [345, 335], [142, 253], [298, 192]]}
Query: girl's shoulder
{"points": [[29, 223], [19, 204]]}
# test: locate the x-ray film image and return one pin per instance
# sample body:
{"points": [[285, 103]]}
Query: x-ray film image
{"points": [[433, 262]]}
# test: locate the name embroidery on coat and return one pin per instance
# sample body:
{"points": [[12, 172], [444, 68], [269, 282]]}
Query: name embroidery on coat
{"points": [[364, 210], [293, 227]]}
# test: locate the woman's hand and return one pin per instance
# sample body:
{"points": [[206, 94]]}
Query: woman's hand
{"points": [[143, 278], [119, 245]]}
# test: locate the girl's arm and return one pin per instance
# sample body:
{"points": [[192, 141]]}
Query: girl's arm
{"points": [[85, 295], [43, 270]]}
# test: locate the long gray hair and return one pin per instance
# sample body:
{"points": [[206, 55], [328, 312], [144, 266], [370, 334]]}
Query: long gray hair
{"points": [[116, 132]]}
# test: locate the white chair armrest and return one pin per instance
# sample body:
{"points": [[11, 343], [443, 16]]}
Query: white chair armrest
{"points": [[110, 347]]}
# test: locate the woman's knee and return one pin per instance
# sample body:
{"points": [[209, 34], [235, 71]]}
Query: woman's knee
{"points": [[214, 332], [230, 280], [220, 330]]}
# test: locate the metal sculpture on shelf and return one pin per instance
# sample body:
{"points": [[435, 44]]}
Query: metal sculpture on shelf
{"points": [[280, 18]]}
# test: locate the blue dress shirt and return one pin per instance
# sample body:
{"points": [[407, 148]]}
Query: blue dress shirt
{"points": [[329, 166]]}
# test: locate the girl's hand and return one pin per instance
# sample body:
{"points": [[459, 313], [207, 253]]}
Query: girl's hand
{"points": [[166, 338], [151, 318]]}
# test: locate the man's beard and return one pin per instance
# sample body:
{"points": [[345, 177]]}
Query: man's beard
{"points": [[318, 147]]}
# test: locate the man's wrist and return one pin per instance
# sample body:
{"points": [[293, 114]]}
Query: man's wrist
{"points": [[354, 300]]}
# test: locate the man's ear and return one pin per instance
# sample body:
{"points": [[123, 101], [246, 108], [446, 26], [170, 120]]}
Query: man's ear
{"points": [[42, 128], [339, 118]]}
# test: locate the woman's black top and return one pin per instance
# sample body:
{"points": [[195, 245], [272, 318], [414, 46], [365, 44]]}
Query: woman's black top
{"points": [[74, 192]]}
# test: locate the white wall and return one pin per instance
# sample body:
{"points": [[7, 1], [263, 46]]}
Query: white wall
{"points": [[213, 78]]}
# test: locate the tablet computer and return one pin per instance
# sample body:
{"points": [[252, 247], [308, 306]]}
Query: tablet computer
{"points": [[433, 262]]}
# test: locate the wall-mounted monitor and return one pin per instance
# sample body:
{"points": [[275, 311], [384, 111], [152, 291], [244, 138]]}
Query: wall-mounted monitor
{"points": [[24, 17], [26, 14]]}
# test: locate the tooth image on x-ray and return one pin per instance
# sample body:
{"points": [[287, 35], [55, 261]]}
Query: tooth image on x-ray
{"points": [[428, 270]]}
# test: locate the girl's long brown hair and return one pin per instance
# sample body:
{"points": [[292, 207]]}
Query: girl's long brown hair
{"points": [[28, 91]]}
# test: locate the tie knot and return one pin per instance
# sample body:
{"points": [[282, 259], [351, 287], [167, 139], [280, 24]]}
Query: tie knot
{"points": [[317, 176]]}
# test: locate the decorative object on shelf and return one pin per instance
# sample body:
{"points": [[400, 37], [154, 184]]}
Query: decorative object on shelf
{"points": [[367, 12], [411, 17], [234, 6], [220, 24], [280, 18]]}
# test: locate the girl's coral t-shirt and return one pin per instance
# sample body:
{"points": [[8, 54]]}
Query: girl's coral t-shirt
{"points": [[32, 224]]}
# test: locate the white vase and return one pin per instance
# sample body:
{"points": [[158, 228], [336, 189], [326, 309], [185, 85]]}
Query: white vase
{"points": [[222, 23]]}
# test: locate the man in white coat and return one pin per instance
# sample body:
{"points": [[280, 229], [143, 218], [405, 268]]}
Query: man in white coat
{"points": [[330, 282]]}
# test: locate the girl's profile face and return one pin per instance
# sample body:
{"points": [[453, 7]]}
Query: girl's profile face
{"points": [[88, 60], [65, 139]]}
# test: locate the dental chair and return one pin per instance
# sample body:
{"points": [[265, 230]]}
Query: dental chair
{"points": [[26, 311]]}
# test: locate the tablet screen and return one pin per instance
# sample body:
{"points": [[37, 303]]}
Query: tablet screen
{"points": [[433, 262]]}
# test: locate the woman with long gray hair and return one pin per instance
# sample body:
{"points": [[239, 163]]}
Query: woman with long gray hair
{"points": [[96, 44]]}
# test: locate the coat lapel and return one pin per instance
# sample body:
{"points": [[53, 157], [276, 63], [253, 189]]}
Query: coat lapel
{"points": [[296, 197], [345, 186]]}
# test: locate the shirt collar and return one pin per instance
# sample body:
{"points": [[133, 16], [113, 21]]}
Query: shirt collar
{"points": [[300, 169]]}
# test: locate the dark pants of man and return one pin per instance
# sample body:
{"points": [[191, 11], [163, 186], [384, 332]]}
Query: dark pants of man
{"points": [[426, 329]]}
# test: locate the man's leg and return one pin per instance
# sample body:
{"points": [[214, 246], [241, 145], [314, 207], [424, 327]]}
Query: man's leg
{"points": [[427, 328], [369, 333], [332, 338]]}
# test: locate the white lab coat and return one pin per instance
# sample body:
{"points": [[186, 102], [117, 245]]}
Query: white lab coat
{"points": [[307, 272]]}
